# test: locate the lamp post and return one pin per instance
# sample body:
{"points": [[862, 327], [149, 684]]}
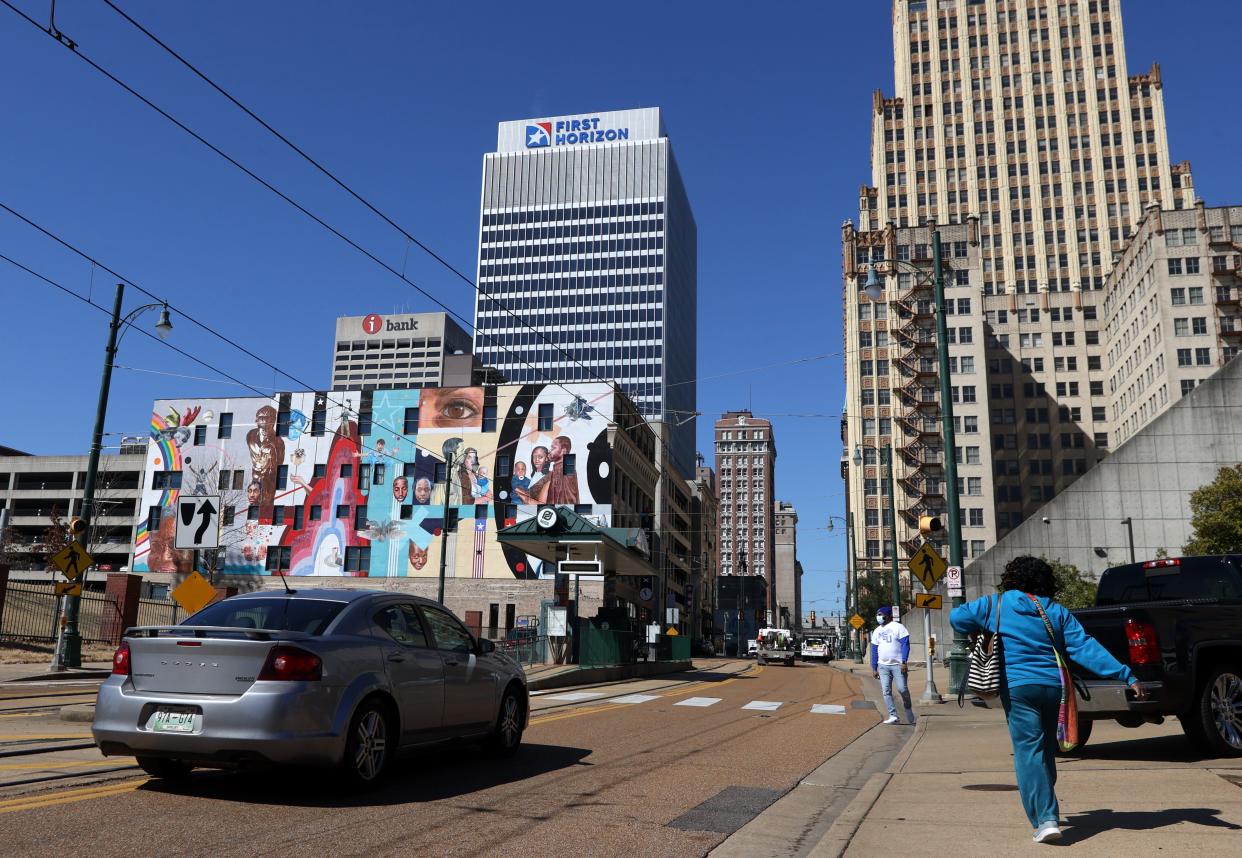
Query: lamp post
{"points": [[449, 448], [873, 289], [1129, 523], [851, 584], [69, 649], [886, 458]]}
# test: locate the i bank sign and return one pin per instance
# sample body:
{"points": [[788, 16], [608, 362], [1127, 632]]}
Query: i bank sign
{"points": [[567, 132]]}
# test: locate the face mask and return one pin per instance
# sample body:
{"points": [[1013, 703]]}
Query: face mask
{"points": [[879, 618]]}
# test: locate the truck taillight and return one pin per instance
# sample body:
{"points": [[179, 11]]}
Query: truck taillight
{"points": [[120, 660], [1141, 638], [291, 664], [1162, 564]]}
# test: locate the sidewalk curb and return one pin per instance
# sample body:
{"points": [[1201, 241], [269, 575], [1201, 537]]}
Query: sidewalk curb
{"points": [[84, 712], [843, 828]]}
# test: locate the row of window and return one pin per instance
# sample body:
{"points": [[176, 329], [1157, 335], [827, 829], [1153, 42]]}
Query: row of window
{"points": [[558, 266], [576, 248], [614, 210], [571, 230]]}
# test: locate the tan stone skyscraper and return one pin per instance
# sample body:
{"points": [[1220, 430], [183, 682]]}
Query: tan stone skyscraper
{"points": [[1015, 126], [746, 463]]}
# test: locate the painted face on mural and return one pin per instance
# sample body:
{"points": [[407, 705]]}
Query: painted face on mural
{"points": [[422, 491], [265, 422], [560, 447], [539, 460], [254, 491], [400, 489], [418, 556], [451, 408], [519, 470]]}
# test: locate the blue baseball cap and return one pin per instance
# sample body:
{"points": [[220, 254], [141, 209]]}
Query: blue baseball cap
{"points": [[885, 610]]}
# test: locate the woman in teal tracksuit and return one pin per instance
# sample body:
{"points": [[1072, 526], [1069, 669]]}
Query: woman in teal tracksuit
{"points": [[1031, 685]]}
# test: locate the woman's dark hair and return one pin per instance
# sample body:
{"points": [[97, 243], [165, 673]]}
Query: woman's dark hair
{"points": [[1029, 575]]}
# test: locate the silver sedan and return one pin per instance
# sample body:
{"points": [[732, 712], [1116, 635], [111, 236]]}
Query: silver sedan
{"points": [[321, 677]]}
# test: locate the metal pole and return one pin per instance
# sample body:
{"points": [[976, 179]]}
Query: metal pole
{"points": [[931, 694], [444, 534], [892, 543], [957, 658], [1129, 523], [71, 637], [855, 638]]}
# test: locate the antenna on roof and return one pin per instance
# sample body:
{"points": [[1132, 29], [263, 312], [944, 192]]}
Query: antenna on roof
{"points": [[288, 592]]}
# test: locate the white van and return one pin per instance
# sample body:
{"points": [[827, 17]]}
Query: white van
{"points": [[814, 648]]}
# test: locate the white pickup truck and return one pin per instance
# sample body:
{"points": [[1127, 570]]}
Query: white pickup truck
{"points": [[775, 645], [814, 648]]}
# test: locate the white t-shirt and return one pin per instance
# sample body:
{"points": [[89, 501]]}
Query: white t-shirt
{"points": [[887, 639]]}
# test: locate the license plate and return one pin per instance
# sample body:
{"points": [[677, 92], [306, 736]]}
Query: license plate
{"points": [[173, 721]]}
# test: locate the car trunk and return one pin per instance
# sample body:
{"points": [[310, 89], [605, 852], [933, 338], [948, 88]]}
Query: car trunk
{"points": [[216, 664]]}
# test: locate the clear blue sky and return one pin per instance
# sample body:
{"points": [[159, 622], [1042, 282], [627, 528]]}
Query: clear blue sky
{"points": [[767, 106]]}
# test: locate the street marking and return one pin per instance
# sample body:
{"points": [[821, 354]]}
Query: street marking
{"points": [[763, 705], [19, 737], [699, 701], [827, 709], [17, 766], [636, 698], [69, 796], [752, 670], [574, 696], [29, 715]]}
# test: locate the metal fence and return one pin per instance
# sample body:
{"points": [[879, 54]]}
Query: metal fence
{"points": [[31, 612]]}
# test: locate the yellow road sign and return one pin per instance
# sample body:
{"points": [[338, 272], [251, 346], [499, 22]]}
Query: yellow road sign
{"points": [[194, 593], [928, 566], [68, 588], [857, 621], [934, 601], [72, 560]]}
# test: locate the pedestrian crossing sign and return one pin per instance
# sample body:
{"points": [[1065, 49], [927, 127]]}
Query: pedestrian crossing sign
{"points": [[928, 566], [72, 560]]}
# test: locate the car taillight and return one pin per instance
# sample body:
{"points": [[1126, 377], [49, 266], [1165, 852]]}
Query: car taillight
{"points": [[120, 660], [1162, 564], [1141, 638], [291, 664]]}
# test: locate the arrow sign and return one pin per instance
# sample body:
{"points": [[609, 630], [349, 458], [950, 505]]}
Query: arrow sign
{"points": [[933, 601], [198, 520]]}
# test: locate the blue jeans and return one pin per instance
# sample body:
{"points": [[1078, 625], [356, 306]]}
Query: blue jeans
{"points": [[890, 674], [1032, 714]]}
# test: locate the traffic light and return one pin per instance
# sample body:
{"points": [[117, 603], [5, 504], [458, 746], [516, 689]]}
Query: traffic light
{"points": [[77, 527], [929, 524], [812, 619]]}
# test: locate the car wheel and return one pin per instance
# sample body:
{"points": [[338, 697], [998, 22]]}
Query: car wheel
{"points": [[506, 736], [1214, 725], [1084, 736], [161, 767], [368, 746]]}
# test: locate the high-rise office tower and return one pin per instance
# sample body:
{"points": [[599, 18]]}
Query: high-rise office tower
{"points": [[383, 352], [746, 465], [588, 262], [1015, 127]]}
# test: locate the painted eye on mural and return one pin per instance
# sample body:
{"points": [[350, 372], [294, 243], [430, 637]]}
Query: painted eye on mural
{"points": [[458, 410]]}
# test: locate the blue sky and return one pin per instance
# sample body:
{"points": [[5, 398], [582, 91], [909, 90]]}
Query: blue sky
{"points": [[767, 107]]}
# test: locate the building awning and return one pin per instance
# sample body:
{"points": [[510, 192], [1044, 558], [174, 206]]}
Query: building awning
{"points": [[559, 533]]}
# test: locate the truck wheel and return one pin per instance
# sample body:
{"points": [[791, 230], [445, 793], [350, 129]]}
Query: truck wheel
{"points": [[1214, 724], [1084, 736]]}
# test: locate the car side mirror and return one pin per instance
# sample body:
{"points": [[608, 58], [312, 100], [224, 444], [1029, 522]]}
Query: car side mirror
{"points": [[486, 646]]}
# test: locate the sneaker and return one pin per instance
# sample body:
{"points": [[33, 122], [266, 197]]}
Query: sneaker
{"points": [[891, 719], [910, 716], [1047, 831]]}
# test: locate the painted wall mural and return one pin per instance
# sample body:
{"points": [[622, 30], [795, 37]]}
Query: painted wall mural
{"points": [[347, 491]]}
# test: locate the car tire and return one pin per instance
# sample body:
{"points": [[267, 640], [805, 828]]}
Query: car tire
{"points": [[506, 735], [369, 745], [1214, 724], [164, 768], [1084, 736]]}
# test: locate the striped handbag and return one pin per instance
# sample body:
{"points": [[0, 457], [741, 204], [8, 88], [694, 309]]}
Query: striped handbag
{"points": [[983, 673]]}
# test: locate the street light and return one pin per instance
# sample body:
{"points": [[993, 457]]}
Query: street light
{"points": [[871, 288], [1129, 523], [449, 448], [851, 586], [69, 648], [886, 458]]}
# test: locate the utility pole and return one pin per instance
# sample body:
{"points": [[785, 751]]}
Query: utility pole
{"points": [[855, 638], [892, 524], [957, 658], [449, 449]]}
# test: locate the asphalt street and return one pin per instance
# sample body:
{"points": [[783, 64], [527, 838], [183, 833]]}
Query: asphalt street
{"points": [[666, 766]]}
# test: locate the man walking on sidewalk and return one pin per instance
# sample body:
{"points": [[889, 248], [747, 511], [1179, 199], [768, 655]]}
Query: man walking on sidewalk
{"points": [[890, 650]]}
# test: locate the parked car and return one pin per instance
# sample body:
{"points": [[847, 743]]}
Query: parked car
{"points": [[344, 678], [1178, 623]]}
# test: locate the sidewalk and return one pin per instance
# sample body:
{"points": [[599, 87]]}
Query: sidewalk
{"points": [[951, 790]]}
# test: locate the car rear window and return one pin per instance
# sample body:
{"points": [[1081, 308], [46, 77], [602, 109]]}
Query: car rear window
{"points": [[311, 616], [1192, 578]]}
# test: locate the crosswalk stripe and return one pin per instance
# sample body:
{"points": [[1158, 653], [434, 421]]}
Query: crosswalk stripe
{"points": [[827, 709], [699, 701], [763, 705], [636, 698], [573, 696]]}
